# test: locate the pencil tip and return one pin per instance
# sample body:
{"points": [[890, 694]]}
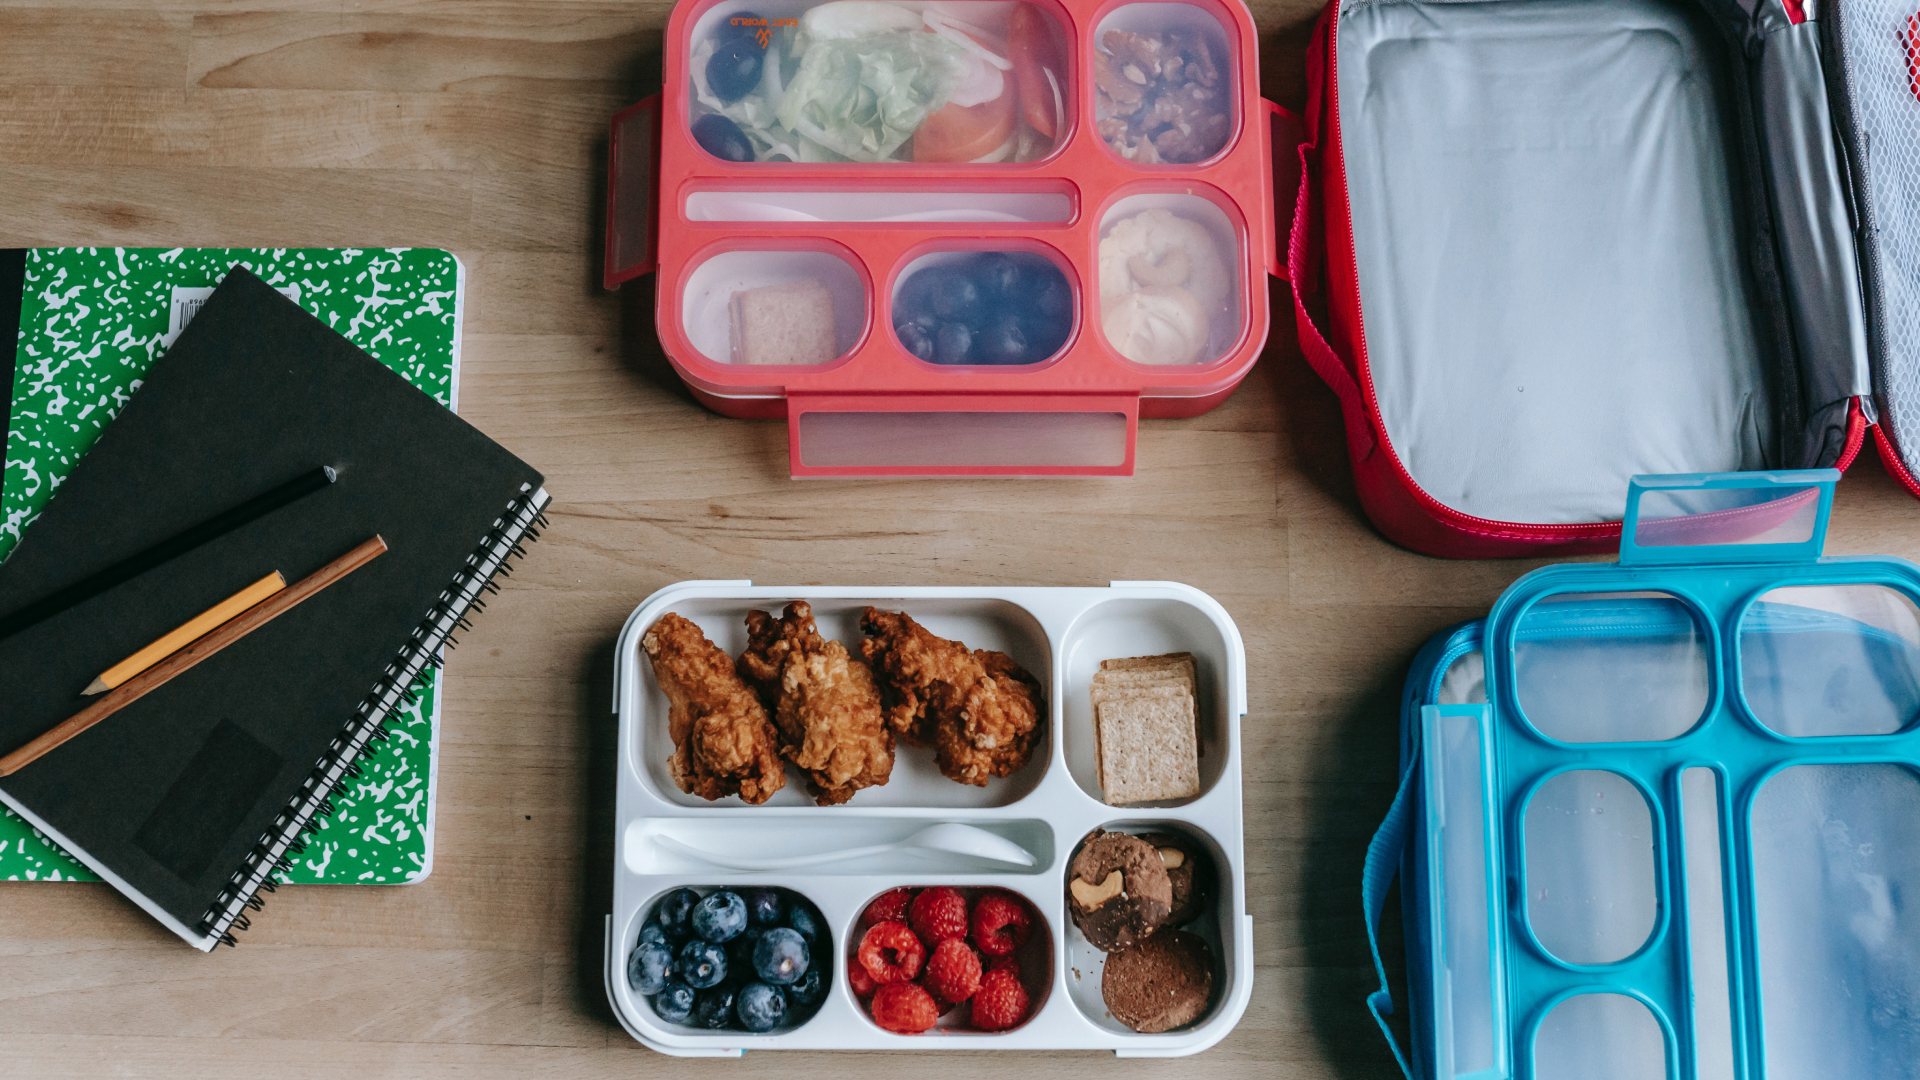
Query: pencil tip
{"points": [[94, 687]]}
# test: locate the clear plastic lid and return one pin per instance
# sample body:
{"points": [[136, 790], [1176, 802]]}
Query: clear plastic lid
{"points": [[874, 81]]}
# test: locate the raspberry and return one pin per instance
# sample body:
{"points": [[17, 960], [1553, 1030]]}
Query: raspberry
{"points": [[905, 1008], [861, 982], [891, 954], [889, 906], [953, 972], [938, 914], [1001, 1001], [1000, 923]]}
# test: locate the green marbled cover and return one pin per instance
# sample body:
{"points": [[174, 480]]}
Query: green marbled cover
{"points": [[91, 324]]}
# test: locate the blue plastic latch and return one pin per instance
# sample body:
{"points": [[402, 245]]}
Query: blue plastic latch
{"points": [[1741, 517]]}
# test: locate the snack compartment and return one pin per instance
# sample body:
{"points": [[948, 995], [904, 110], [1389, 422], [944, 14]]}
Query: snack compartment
{"points": [[878, 82], [984, 304], [1590, 867], [772, 302], [1126, 628], [1837, 945], [916, 780], [1613, 667], [1170, 269], [1825, 660], [719, 971], [1600, 1036], [1164, 84], [1210, 922], [1032, 958]]}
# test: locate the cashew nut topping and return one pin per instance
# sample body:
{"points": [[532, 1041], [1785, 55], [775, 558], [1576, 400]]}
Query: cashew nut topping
{"points": [[1090, 896], [1173, 857], [1158, 234]]}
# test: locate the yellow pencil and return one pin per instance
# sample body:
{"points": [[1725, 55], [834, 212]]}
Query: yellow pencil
{"points": [[198, 627]]}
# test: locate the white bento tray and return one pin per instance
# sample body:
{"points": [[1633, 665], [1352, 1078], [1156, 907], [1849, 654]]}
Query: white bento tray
{"points": [[1060, 635]]}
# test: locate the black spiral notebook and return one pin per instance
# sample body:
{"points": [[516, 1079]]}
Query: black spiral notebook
{"points": [[188, 798]]}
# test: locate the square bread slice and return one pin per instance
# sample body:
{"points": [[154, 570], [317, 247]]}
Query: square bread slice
{"points": [[782, 324], [1131, 663], [1146, 746]]}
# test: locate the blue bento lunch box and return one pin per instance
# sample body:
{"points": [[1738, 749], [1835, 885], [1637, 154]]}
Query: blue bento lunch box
{"points": [[1661, 817]]}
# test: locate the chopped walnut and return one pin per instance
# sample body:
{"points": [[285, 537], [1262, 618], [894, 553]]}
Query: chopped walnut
{"points": [[1160, 97], [1119, 96]]}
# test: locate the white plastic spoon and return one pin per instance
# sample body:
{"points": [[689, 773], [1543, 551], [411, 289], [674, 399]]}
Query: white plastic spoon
{"points": [[949, 837]]}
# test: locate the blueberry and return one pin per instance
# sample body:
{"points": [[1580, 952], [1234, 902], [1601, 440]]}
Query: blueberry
{"points": [[740, 952], [703, 964], [734, 68], [673, 911], [809, 990], [955, 297], [918, 339], [653, 932], [675, 1003], [803, 919], [953, 344], [722, 138], [650, 967], [1053, 299], [997, 274], [720, 917], [714, 1008], [765, 907], [1002, 342], [760, 1007], [781, 956]]}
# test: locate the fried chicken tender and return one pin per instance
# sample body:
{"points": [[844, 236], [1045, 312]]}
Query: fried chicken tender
{"points": [[723, 743], [981, 712], [824, 702]]}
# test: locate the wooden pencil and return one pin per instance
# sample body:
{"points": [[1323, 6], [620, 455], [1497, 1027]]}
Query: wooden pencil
{"points": [[226, 634], [188, 632]]}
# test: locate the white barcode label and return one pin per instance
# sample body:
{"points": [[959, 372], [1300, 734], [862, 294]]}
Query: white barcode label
{"points": [[189, 299]]}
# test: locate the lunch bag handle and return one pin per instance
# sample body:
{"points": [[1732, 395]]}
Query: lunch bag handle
{"points": [[1384, 853]]}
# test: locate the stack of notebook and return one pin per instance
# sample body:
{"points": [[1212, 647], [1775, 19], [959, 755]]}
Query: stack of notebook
{"points": [[253, 391]]}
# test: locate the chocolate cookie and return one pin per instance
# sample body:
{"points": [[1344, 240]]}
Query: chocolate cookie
{"points": [[1162, 984], [1188, 869], [1118, 890]]}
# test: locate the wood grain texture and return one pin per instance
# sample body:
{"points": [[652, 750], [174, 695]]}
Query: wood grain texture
{"points": [[479, 126]]}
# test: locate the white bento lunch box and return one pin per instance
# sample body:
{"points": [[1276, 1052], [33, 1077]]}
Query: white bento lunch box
{"points": [[1058, 634]]}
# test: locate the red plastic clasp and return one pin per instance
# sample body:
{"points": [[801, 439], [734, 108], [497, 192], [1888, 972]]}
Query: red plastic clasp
{"points": [[633, 156], [1285, 132]]}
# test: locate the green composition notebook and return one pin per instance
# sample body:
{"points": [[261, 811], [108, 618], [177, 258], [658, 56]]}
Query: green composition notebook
{"points": [[91, 322]]}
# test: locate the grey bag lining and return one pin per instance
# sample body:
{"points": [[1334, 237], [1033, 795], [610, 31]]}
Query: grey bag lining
{"points": [[1569, 249]]}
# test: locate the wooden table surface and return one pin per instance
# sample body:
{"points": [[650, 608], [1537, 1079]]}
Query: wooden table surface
{"points": [[480, 127]]}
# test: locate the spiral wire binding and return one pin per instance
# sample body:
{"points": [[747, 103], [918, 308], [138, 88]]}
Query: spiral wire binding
{"points": [[281, 844]]}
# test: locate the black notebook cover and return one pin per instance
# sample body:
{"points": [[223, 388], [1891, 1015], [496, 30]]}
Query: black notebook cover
{"points": [[186, 796]]}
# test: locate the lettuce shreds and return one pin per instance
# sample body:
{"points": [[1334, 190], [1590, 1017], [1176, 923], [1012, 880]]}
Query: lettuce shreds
{"points": [[864, 97]]}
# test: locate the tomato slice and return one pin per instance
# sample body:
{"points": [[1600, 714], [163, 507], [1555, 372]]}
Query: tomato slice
{"points": [[1030, 48], [963, 133]]}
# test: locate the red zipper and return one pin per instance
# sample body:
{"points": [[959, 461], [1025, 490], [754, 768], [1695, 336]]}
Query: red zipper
{"points": [[1891, 458]]}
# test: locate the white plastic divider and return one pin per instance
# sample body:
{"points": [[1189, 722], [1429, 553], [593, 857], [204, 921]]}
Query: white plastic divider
{"points": [[1045, 807]]}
